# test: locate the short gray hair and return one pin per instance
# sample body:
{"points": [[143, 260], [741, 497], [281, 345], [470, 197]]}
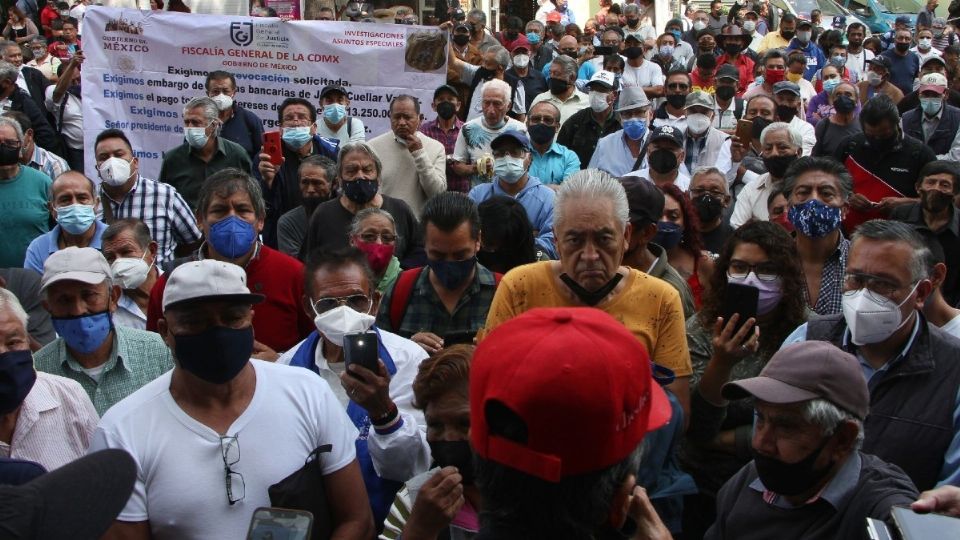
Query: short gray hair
{"points": [[501, 55], [8, 71], [7, 43], [796, 139], [554, 109], [13, 124], [10, 302], [856, 90], [370, 212], [592, 184], [478, 14], [210, 110], [225, 183], [362, 147], [567, 64], [828, 417], [894, 231], [703, 171], [323, 163], [631, 8]]}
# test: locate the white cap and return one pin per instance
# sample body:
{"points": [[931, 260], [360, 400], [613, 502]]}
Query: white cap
{"points": [[208, 280], [604, 78]]}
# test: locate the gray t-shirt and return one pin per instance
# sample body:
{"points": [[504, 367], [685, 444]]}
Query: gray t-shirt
{"points": [[830, 136]]}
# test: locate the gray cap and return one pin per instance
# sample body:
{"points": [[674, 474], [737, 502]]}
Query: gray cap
{"points": [[700, 99], [786, 86], [632, 98], [86, 265], [728, 71]]}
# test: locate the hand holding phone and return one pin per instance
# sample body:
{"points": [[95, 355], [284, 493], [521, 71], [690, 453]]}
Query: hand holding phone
{"points": [[361, 349], [272, 145], [737, 336], [744, 132]]}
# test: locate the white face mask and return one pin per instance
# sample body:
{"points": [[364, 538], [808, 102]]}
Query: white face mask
{"points": [[749, 26], [340, 321], [870, 317], [130, 272], [598, 102], [874, 78], [115, 171], [521, 60], [698, 123], [223, 101], [699, 25]]}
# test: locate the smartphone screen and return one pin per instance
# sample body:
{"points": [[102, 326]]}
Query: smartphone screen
{"points": [[744, 132], [739, 299], [272, 146], [280, 524], [361, 349]]}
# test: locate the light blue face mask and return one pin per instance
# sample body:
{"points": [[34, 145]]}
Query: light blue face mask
{"points": [[76, 218], [334, 113], [830, 84], [196, 136], [931, 106], [296, 137], [509, 169]]}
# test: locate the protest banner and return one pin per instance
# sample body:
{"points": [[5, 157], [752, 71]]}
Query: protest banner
{"points": [[141, 67]]}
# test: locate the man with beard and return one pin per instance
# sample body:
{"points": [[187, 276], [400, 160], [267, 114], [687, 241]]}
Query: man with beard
{"points": [[317, 176], [938, 184]]}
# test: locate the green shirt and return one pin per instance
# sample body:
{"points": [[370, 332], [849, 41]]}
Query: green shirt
{"points": [[136, 358], [23, 214], [183, 169]]}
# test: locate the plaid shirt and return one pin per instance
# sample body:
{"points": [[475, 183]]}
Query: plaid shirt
{"points": [[830, 300], [48, 163], [426, 313], [136, 358], [162, 208], [448, 139]]}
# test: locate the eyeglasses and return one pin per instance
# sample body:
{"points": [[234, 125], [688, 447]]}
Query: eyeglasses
{"points": [[542, 119], [516, 152], [700, 192], [678, 86], [765, 271], [371, 237], [854, 281], [230, 450], [357, 302]]}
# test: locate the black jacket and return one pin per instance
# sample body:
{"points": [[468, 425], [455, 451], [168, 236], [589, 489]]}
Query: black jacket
{"points": [[37, 85], [899, 166], [581, 133], [45, 135], [941, 139]]}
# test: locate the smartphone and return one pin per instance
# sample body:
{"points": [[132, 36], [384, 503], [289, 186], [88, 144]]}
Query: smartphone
{"points": [[740, 299], [458, 338], [744, 132], [602, 51], [272, 145], [914, 526], [361, 349], [280, 524]]}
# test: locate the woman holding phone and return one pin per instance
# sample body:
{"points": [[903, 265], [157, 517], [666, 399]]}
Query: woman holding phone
{"points": [[762, 255]]}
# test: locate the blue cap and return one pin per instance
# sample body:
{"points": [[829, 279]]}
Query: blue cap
{"points": [[512, 134]]}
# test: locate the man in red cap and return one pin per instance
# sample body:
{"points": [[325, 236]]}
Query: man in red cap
{"points": [[809, 478], [561, 421]]}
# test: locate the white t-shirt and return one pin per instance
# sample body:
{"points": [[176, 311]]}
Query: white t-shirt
{"points": [[648, 74], [952, 327], [352, 131], [181, 484]]}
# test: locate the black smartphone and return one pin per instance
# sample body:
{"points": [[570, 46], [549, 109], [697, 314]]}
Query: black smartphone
{"points": [[602, 51], [458, 338], [280, 524], [361, 349], [914, 526], [740, 299]]}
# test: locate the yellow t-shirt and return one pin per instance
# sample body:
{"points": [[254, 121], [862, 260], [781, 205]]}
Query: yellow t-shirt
{"points": [[773, 40], [649, 307]]}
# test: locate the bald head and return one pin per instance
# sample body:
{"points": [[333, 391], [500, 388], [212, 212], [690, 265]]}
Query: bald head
{"points": [[568, 42]]}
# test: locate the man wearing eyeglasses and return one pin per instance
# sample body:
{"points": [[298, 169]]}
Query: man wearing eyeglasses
{"points": [[213, 434], [551, 161], [910, 365], [672, 111], [392, 448], [514, 162]]}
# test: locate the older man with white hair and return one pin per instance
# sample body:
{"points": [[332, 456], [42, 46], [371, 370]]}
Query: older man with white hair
{"points": [[781, 145], [43, 418], [472, 154]]}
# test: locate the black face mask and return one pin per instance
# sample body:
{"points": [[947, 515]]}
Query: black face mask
{"points": [[215, 355], [759, 124], [446, 110], [902, 47], [558, 86], [777, 165], [461, 39], [361, 190], [662, 160], [726, 92], [881, 145], [786, 113], [708, 207], [733, 49], [633, 52], [790, 478], [787, 34], [310, 204], [17, 378], [591, 298], [677, 101], [540, 133], [935, 201], [9, 155], [844, 104], [632, 23], [484, 74], [454, 454]]}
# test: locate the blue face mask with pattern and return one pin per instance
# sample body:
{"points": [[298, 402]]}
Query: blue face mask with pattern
{"points": [[814, 219], [86, 333]]}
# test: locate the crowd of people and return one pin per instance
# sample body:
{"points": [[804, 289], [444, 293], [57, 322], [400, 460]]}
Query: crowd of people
{"points": [[622, 283]]}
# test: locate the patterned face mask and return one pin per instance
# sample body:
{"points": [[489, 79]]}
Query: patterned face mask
{"points": [[814, 219]]}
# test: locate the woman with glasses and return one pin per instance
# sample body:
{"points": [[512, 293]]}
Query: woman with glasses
{"points": [[760, 255], [443, 502], [374, 232]]}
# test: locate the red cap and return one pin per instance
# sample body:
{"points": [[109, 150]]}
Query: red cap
{"points": [[553, 16], [520, 42], [579, 381]]}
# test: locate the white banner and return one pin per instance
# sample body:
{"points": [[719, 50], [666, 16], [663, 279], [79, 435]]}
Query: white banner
{"points": [[141, 67]]}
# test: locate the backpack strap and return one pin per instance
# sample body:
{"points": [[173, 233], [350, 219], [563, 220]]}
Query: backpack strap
{"points": [[402, 291], [738, 108], [349, 127]]}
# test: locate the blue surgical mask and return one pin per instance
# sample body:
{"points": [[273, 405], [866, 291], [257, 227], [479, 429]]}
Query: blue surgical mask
{"points": [[86, 333], [533, 38], [296, 137], [333, 113], [232, 237], [196, 136], [931, 106], [509, 169], [635, 128], [830, 84], [676, 35], [814, 219], [668, 234], [452, 274], [76, 218]]}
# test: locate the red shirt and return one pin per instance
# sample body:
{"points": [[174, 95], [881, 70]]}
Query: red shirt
{"points": [[279, 322], [701, 84], [48, 14], [745, 66]]}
